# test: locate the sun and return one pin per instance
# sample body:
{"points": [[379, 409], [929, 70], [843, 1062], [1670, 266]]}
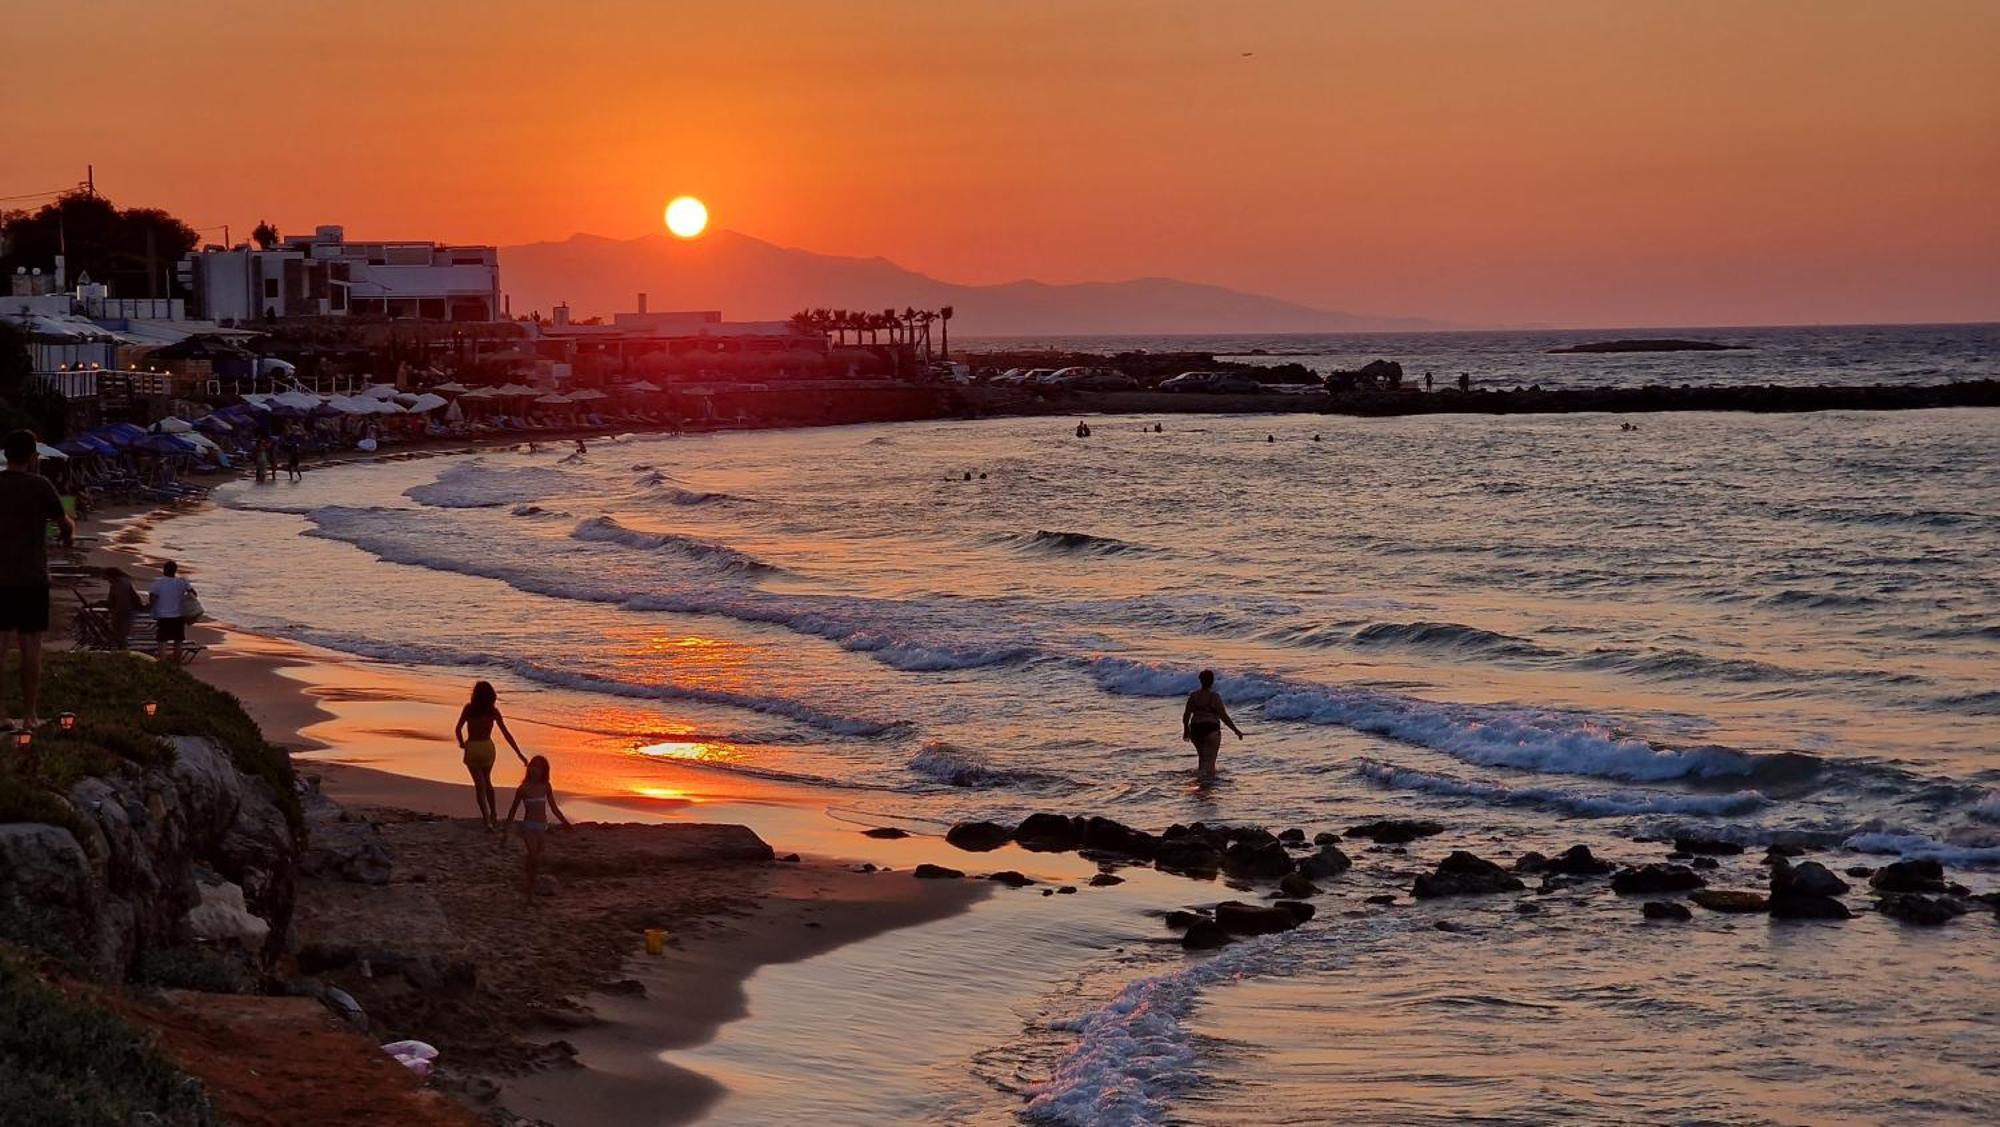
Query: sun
{"points": [[687, 217]]}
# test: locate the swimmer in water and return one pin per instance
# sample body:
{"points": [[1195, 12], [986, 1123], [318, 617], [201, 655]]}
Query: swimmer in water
{"points": [[1202, 722]]}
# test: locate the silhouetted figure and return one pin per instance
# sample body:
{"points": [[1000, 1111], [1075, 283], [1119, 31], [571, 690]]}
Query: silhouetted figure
{"points": [[1315, 438], [1158, 429], [1465, 381], [1202, 722], [536, 800], [124, 603], [1271, 438], [968, 475], [1082, 429], [474, 733], [1427, 381]]}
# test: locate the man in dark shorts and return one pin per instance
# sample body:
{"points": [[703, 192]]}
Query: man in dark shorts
{"points": [[27, 504]]}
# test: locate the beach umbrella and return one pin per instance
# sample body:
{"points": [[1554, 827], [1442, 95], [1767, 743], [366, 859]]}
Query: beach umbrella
{"points": [[48, 451], [427, 402], [641, 386], [452, 388], [380, 391], [454, 414], [514, 390], [199, 440], [172, 425], [554, 400], [296, 400], [119, 435], [217, 423], [95, 445], [165, 444], [586, 395], [481, 393]]}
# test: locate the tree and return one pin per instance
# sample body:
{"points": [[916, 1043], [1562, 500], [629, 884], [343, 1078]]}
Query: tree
{"points": [[944, 314], [134, 250], [265, 236]]}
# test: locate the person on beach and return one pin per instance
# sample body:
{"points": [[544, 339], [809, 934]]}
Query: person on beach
{"points": [[292, 460], [124, 603], [167, 599], [1202, 722], [474, 733], [535, 799], [28, 504]]}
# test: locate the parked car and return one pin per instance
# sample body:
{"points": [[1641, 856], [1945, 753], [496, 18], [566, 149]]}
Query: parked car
{"points": [[1104, 379], [1041, 377], [1213, 383], [1012, 377]]}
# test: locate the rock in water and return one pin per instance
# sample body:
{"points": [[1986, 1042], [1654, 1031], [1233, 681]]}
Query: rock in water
{"points": [[1577, 861], [1912, 908], [1190, 856], [1011, 879], [1646, 879], [1115, 837], [1908, 876], [1799, 906], [1265, 860], [1204, 935], [1666, 910], [1710, 845], [1181, 918], [1049, 833], [979, 837], [936, 872], [1717, 900], [1105, 880], [1807, 878], [886, 833], [1329, 861], [1324, 838], [1462, 874], [1530, 862], [1296, 886], [1238, 918], [1396, 831]]}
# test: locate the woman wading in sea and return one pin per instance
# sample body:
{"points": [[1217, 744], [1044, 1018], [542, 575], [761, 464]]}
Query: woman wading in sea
{"points": [[474, 732], [535, 800], [1202, 722]]}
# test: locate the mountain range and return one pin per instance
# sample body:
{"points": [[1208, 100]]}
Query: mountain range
{"points": [[752, 280]]}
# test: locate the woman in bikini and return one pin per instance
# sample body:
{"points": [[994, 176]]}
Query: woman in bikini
{"points": [[474, 732], [1202, 722], [535, 800]]}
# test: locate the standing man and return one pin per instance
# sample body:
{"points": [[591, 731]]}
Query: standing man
{"points": [[167, 598], [28, 503]]}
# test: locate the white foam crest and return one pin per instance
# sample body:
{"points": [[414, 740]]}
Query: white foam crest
{"points": [[1526, 739], [1133, 1053], [606, 530], [956, 766], [1987, 809], [1587, 803], [1917, 847]]}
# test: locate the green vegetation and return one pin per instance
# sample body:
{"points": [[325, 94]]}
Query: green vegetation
{"points": [[194, 968], [108, 692], [67, 1063]]}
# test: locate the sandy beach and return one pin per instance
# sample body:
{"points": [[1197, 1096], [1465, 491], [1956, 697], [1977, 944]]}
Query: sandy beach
{"points": [[570, 1017]]}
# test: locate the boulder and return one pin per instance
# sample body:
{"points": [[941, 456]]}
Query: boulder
{"points": [[1300, 910], [1914, 908], [1107, 836], [1704, 864], [885, 833], [1324, 838], [1293, 836], [979, 837], [1666, 910], [1238, 918], [1181, 918], [1396, 831], [1530, 862], [1577, 861], [342, 847], [1655, 878], [1049, 833], [1528, 908], [1908, 876], [936, 872], [1718, 900], [1807, 878], [1801, 906], [1715, 847], [1011, 879], [1190, 856], [45, 880], [1296, 886], [221, 916], [1382, 898], [1105, 880], [1329, 861], [1204, 935], [1462, 874], [1264, 860]]}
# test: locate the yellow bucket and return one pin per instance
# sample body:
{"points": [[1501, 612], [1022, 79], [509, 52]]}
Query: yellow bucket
{"points": [[656, 941]]}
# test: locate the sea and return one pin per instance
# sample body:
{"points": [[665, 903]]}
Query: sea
{"points": [[1539, 631]]}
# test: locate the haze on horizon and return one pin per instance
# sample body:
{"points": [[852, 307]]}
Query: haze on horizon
{"points": [[1564, 162]]}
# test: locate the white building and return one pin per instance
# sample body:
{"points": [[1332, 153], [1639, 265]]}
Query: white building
{"points": [[324, 275]]}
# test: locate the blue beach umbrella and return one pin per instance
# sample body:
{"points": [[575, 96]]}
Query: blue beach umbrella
{"points": [[166, 444]]}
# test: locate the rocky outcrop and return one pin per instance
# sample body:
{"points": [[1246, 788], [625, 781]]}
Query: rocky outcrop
{"points": [[1666, 910], [1462, 874], [1396, 831], [1258, 857], [340, 845], [1915, 908], [936, 872], [1327, 861], [1652, 879], [1576, 861], [121, 880], [1908, 876], [1714, 847], [979, 837], [1048, 833], [1102, 835], [1718, 900]]}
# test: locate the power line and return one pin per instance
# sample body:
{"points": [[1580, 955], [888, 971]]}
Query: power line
{"points": [[38, 195]]}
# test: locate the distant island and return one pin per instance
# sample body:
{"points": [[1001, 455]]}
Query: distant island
{"points": [[1652, 346]]}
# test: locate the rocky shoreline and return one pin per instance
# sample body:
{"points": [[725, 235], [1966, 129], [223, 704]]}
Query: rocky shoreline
{"points": [[1289, 869]]}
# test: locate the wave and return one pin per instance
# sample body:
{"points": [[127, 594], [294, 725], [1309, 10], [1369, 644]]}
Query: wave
{"points": [[1448, 636], [1589, 804], [476, 485], [1987, 809], [1073, 543], [1489, 735], [534, 511], [677, 496], [564, 678], [1133, 1054], [1978, 704], [950, 635], [606, 530], [1917, 847], [954, 766], [1818, 600]]}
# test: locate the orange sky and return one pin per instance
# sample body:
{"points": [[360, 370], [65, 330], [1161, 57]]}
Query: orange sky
{"points": [[1610, 162]]}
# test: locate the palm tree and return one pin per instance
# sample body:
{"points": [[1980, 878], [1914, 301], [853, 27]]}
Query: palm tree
{"points": [[944, 314]]}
